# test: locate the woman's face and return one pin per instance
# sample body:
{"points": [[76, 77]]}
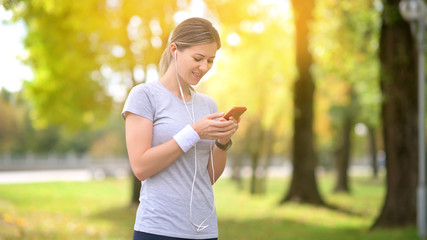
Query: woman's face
{"points": [[194, 62]]}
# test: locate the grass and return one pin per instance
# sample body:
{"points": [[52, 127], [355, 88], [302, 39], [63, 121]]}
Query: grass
{"points": [[99, 210]]}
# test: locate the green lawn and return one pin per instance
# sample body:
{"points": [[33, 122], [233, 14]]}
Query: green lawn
{"points": [[99, 210]]}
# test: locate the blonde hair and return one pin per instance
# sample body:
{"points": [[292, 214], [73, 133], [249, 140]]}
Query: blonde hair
{"points": [[193, 31]]}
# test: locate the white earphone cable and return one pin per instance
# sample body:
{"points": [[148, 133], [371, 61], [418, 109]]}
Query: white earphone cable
{"points": [[200, 227]]}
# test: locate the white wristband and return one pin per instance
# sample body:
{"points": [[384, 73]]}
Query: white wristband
{"points": [[187, 138]]}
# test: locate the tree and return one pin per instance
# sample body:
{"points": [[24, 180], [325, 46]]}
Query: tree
{"points": [[251, 72], [77, 49], [303, 184], [8, 121], [345, 53], [399, 115], [140, 33], [63, 60], [345, 124]]}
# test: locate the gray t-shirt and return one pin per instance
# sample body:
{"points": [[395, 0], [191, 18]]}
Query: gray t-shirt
{"points": [[164, 207]]}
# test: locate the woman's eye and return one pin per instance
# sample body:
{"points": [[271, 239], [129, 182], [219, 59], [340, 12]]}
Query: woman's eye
{"points": [[197, 59]]}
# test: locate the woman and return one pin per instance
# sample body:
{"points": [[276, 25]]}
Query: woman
{"points": [[177, 141]]}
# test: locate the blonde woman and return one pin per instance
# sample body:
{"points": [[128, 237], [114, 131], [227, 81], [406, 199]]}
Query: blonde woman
{"points": [[177, 141]]}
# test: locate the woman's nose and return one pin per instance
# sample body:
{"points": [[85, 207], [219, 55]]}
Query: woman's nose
{"points": [[204, 66]]}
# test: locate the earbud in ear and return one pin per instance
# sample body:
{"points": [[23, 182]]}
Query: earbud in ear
{"points": [[175, 55]]}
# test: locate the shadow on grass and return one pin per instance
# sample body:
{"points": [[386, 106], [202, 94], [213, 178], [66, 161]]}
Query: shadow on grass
{"points": [[330, 206], [279, 229], [119, 221], [340, 209]]}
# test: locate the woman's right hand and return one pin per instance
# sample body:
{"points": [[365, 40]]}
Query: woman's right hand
{"points": [[209, 128]]}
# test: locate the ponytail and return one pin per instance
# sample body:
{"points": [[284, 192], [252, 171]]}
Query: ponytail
{"points": [[165, 61]]}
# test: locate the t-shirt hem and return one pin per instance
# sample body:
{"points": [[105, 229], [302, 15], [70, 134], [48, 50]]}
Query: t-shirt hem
{"points": [[126, 112], [175, 235]]}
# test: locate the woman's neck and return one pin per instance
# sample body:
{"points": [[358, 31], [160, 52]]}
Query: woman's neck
{"points": [[170, 82]]}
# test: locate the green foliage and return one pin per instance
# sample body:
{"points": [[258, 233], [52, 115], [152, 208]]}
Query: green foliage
{"points": [[391, 14], [18, 135], [345, 46], [99, 210], [8, 121], [255, 68], [79, 52], [60, 54], [76, 49]]}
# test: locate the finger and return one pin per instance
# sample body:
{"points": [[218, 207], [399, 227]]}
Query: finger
{"points": [[233, 119], [237, 120], [232, 127], [215, 115], [224, 135], [227, 129], [220, 135], [222, 125]]}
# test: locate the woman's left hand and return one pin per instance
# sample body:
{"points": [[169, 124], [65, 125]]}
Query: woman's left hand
{"points": [[227, 138]]}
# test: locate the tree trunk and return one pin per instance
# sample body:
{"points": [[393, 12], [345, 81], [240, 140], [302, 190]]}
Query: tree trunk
{"points": [[236, 165], [268, 155], [257, 140], [373, 149], [303, 184], [254, 178], [399, 115], [136, 188], [343, 158], [344, 153]]}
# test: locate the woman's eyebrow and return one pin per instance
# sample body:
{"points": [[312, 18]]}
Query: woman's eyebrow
{"points": [[203, 55]]}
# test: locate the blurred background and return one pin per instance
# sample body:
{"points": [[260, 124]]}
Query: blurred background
{"points": [[308, 71]]}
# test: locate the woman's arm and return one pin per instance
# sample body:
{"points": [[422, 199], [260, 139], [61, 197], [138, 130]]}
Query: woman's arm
{"points": [[146, 161], [219, 155], [220, 159]]}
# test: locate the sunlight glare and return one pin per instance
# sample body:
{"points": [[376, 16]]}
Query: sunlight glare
{"points": [[278, 8], [360, 129], [233, 39], [258, 27], [12, 71], [118, 51]]}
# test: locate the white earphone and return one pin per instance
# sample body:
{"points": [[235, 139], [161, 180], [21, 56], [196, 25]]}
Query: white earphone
{"points": [[201, 226]]}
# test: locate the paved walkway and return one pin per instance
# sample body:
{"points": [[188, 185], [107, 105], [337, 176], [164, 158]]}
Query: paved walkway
{"points": [[15, 177], [12, 177]]}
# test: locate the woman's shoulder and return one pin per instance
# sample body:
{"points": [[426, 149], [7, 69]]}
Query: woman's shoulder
{"points": [[139, 101], [149, 90], [145, 86]]}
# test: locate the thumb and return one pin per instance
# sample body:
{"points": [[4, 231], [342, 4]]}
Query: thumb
{"points": [[215, 115]]}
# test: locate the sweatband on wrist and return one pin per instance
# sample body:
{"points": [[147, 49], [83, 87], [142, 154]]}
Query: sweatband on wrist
{"points": [[186, 138]]}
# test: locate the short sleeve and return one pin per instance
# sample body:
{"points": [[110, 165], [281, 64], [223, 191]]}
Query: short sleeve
{"points": [[213, 106], [139, 102]]}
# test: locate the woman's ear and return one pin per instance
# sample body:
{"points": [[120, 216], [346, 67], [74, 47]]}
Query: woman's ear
{"points": [[173, 48]]}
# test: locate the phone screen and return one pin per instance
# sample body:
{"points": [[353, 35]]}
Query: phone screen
{"points": [[236, 112]]}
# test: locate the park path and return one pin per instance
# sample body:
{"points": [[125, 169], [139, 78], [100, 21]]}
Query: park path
{"points": [[14, 177]]}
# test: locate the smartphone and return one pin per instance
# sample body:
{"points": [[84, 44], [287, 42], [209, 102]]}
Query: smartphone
{"points": [[236, 112]]}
